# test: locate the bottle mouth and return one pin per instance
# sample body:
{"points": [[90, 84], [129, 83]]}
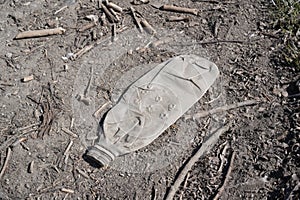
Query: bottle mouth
{"points": [[100, 155]]}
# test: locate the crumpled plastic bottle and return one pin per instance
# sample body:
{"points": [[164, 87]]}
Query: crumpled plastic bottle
{"points": [[151, 104]]}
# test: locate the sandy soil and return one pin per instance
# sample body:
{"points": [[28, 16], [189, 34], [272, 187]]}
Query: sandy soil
{"points": [[45, 130]]}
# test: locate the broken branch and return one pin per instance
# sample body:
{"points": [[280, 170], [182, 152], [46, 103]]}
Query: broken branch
{"points": [[40, 33], [136, 19], [108, 14], [148, 28], [221, 109], [180, 9], [206, 146], [115, 7], [8, 155]]}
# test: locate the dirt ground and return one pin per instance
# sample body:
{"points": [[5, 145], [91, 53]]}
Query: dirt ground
{"points": [[45, 129]]}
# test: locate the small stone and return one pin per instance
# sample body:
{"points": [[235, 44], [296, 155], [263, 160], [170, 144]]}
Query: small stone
{"points": [[8, 55]]}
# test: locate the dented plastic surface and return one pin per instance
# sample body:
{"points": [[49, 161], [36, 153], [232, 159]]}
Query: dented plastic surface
{"points": [[151, 104]]}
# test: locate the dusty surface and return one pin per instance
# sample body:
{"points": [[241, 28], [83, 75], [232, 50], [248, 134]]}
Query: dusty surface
{"points": [[264, 136]]}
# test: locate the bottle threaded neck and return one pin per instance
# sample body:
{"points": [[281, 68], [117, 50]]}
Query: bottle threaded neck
{"points": [[100, 155]]}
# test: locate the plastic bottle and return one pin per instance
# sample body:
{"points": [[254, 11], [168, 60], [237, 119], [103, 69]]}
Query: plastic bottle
{"points": [[151, 104]]}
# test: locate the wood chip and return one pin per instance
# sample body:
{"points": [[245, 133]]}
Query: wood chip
{"points": [[27, 78]]}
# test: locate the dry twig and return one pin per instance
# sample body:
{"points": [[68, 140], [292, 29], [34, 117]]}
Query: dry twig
{"points": [[178, 19], [148, 28], [100, 110], [206, 146], [68, 147], [221, 109], [221, 189], [69, 132], [111, 18], [8, 155], [40, 33], [67, 190], [180, 9], [115, 7], [136, 19]]}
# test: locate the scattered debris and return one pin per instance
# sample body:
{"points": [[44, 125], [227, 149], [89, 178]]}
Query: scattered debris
{"points": [[205, 147], [40, 33]]}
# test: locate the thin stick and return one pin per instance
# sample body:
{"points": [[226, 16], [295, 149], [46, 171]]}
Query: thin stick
{"points": [[68, 147], [115, 7], [87, 26], [40, 33], [100, 109], [114, 34], [184, 185], [213, 42], [69, 132], [221, 109], [180, 9], [178, 19], [108, 14], [59, 10], [136, 19], [85, 175], [148, 28], [221, 189], [67, 190], [8, 155], [206, 146], [83, 51]]}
